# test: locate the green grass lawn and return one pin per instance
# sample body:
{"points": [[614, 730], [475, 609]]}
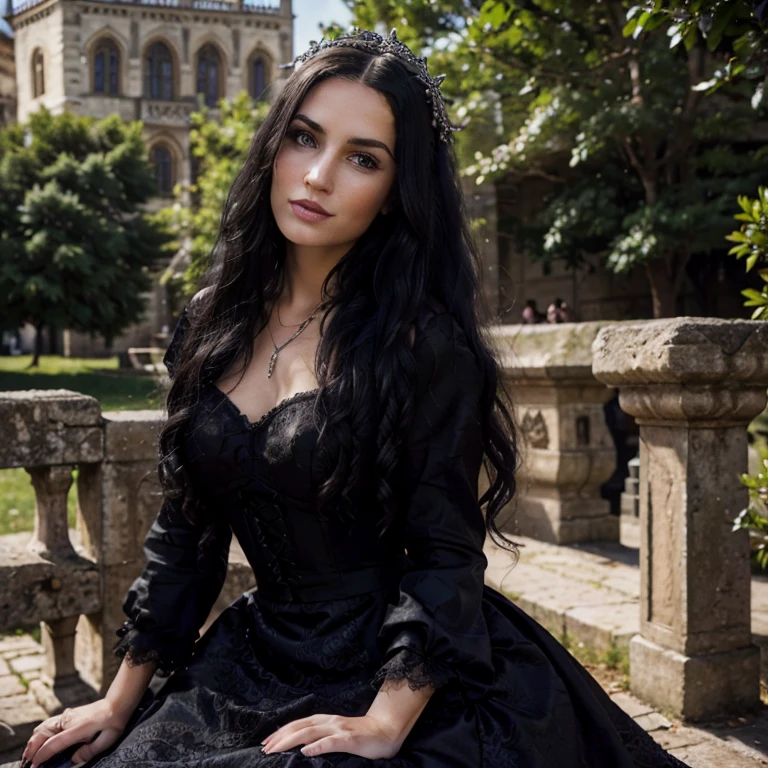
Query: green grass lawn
{"points": [[99, 378], [115, 389], [17, 501]]}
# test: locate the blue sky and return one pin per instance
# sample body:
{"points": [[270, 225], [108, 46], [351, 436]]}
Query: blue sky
{"points": [[309, 14]]}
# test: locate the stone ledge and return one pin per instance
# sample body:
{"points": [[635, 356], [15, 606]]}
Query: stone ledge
{"points": [[684, 349], [49, 427], [32, 586]]}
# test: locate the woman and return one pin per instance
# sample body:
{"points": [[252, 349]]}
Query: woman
{"points": [[332, 400]]}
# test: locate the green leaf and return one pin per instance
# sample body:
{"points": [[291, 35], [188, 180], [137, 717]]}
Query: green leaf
{"points": [[722, 18], [629, 28]]}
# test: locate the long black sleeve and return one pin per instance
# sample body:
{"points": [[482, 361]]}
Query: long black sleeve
{"points": [[185, 571], [437, 633]]}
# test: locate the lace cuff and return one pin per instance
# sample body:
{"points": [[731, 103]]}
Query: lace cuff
{"points": [[412, 667], [134, 647]]}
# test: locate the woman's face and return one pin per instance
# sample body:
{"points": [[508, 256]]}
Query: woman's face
{"points": [[338, 156]]}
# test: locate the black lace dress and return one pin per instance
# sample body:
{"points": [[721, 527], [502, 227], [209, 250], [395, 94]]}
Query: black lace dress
{"points": [[338, 610]]}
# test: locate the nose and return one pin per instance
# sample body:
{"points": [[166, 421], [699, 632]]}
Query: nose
{"points": [[319, 174]]}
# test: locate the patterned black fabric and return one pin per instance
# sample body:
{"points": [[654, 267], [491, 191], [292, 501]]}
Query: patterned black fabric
{"points": [[339, 610]]}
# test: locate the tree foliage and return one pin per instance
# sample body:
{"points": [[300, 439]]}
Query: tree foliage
{"points": [[75, 249], [641, 161], [737, 27], [219, 143]]}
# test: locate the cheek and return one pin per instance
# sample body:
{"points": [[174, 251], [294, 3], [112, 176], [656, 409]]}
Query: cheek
{"points": [[364, 194]]}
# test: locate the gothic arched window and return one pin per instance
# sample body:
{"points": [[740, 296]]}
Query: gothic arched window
{"points": [[158, 72], [259, 76], [106, 68], [208, 74], [160, 157], [38, 73]]}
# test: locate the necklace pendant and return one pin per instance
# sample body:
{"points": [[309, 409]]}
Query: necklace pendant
{"points": [[272, 363]]}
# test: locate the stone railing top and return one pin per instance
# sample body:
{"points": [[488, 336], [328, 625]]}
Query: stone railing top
{"points": [[547, 351], [683, 350], [48, 427]]}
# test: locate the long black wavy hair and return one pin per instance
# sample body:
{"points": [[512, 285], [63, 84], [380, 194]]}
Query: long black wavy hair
{"points": [[422, 249]]}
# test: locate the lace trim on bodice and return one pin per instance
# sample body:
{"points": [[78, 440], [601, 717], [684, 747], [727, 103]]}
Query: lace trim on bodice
{"points": [[271, 412]]}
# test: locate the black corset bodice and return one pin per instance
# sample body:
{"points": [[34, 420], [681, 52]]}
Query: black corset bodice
{"points": [[265, 475]]}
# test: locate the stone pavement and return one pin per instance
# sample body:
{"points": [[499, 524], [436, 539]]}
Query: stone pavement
{"points": [[586, 595]]}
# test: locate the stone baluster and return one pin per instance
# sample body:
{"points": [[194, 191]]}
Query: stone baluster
{"points": [[567, 448], [51, 535], [60, 684], [693, 384]]}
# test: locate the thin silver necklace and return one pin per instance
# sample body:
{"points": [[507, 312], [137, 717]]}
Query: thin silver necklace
{"points": [[301, 327]]}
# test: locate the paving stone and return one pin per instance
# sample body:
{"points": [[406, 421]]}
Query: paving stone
{"points": [[709, 754], [10, 685], [632, 706], [653, 721], [25, 664], [18, 716], [4, 668], [677, 738], [600, 626], [12, 643], [29, 651]]}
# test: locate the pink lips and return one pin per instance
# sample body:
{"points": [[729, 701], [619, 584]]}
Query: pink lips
{"points": [[306, 210]]}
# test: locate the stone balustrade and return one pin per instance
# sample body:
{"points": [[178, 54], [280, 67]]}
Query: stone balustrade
{"points": [[73, 581], [568, 450], [692, 384]]}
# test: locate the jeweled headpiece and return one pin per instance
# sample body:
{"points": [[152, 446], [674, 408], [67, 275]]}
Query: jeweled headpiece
{"points": [[372, 42]]}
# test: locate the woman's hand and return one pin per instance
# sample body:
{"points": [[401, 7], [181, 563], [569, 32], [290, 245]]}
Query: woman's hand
{"points": [[364, 736], [79, 724]]}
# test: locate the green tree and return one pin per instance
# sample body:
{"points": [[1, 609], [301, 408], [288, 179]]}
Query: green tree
{"points": [[75, 248], [641, 161], [740, 30], [219, 143]]}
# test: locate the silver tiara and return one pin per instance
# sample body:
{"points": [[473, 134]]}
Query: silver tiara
{"points": [[372, 42]]}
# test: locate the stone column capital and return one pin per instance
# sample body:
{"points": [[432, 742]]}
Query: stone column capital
{"points": [[697, 371]]}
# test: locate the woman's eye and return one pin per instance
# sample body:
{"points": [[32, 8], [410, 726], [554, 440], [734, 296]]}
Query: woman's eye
{"points": [[367, 161], [302, 138]]}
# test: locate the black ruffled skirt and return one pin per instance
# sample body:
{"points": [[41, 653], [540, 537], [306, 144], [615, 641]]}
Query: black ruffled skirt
{"points": [[263, 664]]}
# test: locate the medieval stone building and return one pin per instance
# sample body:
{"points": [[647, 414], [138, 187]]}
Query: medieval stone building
{"points": [[147, 60], [7, 68]]}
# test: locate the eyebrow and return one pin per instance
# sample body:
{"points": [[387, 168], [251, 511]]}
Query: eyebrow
{"points": [[357, 142]]}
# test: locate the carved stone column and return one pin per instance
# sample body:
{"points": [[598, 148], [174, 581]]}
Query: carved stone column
{"points": [[60, 685], [567, 449], [51, 535], [693, 384]]}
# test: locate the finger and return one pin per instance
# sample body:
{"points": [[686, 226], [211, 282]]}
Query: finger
{"points": [[332, 743], [38, 738], [290, 727], [40, 734], [303, 736], [57, 743], [105, 739]]}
